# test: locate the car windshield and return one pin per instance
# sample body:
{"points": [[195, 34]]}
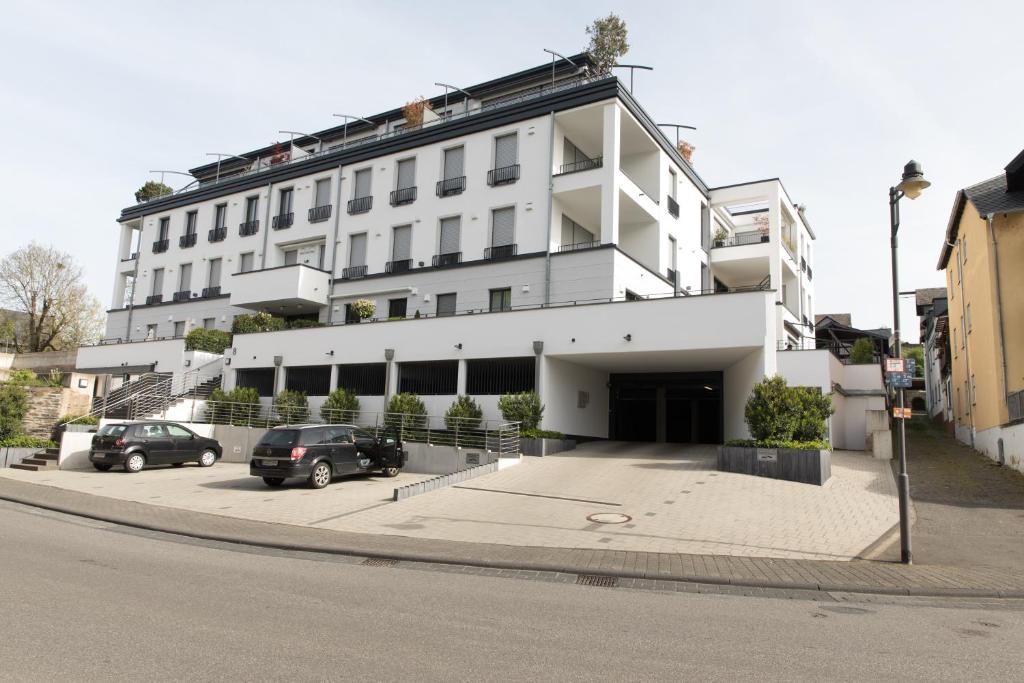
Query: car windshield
{"points": [[112, 430], [280, 437]]}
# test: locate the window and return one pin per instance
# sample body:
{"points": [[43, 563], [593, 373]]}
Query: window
{"points": [[451, 229], [397, 307], [151, 331], [571, 154], [260, 379], [191, 218], [185, 277], [453, 162], [179, 432], [361, 186], [350, 315], [357, 250], [672, 183], [401, 243], [337, 435], [209, 323], [152, 432], [506, 150], [179, 329], [165, 228], [503, 226], [213, 277], [314, 380], [429, 378], [291, 257], [245, 262], [968, 317], [158, 282], [501, 299], [705, 279], [496, 376], [673, 253], [705, 226], [406, 174], [362, 379], [284, 201], [220, 215], [252, 208], [446, 304], [323, 192], [573, 233], [321, 254]]}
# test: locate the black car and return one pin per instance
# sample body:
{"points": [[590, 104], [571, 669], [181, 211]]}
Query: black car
{"points": [[133, 446], [319, 452]]}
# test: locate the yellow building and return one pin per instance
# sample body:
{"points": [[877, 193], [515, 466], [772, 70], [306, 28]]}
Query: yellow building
{"points": [[983, 256]]}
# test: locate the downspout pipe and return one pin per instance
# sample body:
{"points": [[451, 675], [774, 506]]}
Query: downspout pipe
{"points": [[548, 219], [999, 305]]}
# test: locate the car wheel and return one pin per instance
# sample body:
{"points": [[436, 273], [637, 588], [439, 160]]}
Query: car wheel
{"points": [[135, 462], [320, 476], [102, 466], [391, 471], [207, 458], [273, 481], [177, 464]]}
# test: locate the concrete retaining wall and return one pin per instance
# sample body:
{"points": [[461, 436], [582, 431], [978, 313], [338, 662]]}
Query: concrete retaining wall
{"points": [[791, 464], [13, 456], [424, 459], [74, 451], [545, 446], [403, 492]]}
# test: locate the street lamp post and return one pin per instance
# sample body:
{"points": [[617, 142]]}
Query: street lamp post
{"points": [[912, 184]]}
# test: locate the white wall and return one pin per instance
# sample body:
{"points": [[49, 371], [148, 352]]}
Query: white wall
{"points": [[987, 441], [561, 383], [738, 381]]}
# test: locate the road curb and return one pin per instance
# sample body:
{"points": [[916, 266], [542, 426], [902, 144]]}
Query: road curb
{"points": [[530, 565]]}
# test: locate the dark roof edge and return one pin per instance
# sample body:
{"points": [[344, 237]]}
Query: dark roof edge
{"points": [[951, 229]]}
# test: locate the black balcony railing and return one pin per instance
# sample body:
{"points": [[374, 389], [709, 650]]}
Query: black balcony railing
{"points": [[446, 259], [803, 264], [451, 186], [671, 275], [403, 195], [282, 221], [399, 266], [134, 255], [319, 213], [360, 204], [217, 234], [353, 272], [209, 292], [249, 228], [810, 273], [160, 246], [506, 175], [576, 246], [154, 299], [183, 295], [741, 238], [186, 241], [673, 207], [578, 166], [503, 251]]}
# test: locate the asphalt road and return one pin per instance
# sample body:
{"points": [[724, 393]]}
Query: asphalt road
{"points": [[84, 600]]}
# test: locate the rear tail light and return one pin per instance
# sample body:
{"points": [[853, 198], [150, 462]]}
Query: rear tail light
{"points": [[298, 452], [120, 442]]}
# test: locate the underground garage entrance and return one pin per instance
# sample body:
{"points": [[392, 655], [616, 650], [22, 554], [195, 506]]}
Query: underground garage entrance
{"points": [[673, 407]]}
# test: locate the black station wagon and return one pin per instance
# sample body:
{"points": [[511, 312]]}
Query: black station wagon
{"points": [[134, 446], [317, 453]]}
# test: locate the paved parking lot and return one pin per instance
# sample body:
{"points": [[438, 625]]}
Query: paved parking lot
{"points": [[673, 498]]}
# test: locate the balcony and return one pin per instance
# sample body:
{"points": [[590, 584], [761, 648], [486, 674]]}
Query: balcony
{"points": [[160, 246], [506, 175], [451, 186], [154, 299], [500, 252], [580, 166], [403, 195], [803, 264], [131, 257], [186, 241], [286, 289], [742, 238], [217, 234], [360, 205], [400, 266], [353, 272], [577, 246], [810, 273], [210, 292], [320, 213], [446, 259], [249, 228], [183, 295], [282, 221], [673, 206]]}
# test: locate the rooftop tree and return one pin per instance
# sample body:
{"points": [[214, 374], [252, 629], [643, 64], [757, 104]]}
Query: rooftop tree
{"points": [[152, 190], [607, 43]]}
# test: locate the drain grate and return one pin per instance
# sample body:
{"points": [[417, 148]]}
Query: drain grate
{"points": [[378, 562], [601, 581]]}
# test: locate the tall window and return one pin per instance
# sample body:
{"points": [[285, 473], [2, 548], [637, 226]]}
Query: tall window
{"points": [[705, 279], [501, 299], [357, 250], [185, 277], [323, 192], [406, 173], [503, 226], [179, 329], [672, 255], [397, 307], [165, 228], [190, 222], [705, 227], [361, 186], [454, 162], [571, 154], [158, 282], [445, 304], [401, 243], [506, 150], [672, 183], [245, 262], [252, 208], [284, 202], [213, 276], [451, 229], [573, 233], [220, 215]]}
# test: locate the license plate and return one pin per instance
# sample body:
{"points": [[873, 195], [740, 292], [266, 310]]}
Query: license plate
{"points": [[269, 463], [99, 455]]}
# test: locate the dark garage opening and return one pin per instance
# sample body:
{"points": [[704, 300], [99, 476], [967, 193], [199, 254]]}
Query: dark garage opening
{"points": [[674, 407]]}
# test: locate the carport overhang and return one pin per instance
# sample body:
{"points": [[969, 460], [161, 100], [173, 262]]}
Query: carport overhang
{"points": [[118, 369], [690, 360]]}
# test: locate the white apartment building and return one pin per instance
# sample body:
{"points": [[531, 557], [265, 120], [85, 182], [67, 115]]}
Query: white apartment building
{"points": [[537, 231]]}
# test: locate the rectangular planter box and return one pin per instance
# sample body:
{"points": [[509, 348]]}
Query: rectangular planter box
{"points": [[545, 446], [791, 464]]}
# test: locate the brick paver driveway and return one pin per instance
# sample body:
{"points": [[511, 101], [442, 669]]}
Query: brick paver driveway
{"points": [[675, 500]]}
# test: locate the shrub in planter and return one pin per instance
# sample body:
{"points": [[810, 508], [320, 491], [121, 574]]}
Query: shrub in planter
{"points": [[302, 323], [240, 406], [291, 406], [524, 408], [777, 412], [463, 413], [541, 434], [815, 409], [341, 406], [25, 378], [25, 441], [13, 406], [406, 410], [248, 323], [211, 341], [363, 308]]}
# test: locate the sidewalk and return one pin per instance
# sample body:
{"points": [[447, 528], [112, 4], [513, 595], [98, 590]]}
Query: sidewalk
{"points": [[854, 576]]}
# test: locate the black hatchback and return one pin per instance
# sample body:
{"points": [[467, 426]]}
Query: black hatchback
{"points": [[134, 446], [319, 452]]}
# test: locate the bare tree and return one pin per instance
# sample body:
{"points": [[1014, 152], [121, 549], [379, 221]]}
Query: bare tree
{"points": [[53, 308]]}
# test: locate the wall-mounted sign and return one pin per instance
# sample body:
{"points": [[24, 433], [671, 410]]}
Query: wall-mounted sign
{"points": [[767, 455], [895, 365], [901, 413]]}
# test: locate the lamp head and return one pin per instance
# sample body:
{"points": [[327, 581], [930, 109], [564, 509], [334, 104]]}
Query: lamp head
{"points": [[913, 182]]}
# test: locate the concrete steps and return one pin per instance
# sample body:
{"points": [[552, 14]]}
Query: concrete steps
{"points": [[43, 460]]}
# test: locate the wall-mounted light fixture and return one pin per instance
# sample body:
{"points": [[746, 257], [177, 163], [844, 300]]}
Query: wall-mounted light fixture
{"points": [[538, 347], [459, 346], [628, 337], [331, 352], [389, 354], [227, 361]]}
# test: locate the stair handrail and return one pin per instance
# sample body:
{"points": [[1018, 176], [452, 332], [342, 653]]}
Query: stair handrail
{"points": [[161, 386]]}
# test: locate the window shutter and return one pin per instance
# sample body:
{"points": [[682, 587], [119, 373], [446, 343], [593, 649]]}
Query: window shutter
{"points": [[158, 281], [506, 150], [357, 252], [402, 247], [445, 304], [291, 257], [406, 174], [215, 264], [323, 193], [503, 227], [453, 163], [185, 277], [363, 183], [450, 229]]}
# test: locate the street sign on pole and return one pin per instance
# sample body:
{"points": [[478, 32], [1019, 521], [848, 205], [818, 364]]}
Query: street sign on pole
{"points": [[901, 413], [895, 365], [900, 380]]}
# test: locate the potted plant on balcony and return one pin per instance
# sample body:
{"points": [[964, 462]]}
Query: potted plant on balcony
{"points": [[412, 112], [363, 308], [761, 221], [720, 236]]}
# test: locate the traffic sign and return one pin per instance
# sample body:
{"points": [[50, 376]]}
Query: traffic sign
{"points": [[895, 364], [900, 380], [901, 413]]}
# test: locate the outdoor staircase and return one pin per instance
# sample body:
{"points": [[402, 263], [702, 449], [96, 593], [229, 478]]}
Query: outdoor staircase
{"points": [[43, 460]]}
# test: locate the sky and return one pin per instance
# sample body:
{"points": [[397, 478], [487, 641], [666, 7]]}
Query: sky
{"points": [[833, 98]]}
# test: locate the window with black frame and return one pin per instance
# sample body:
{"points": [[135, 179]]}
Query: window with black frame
{"points": [[501, 299], [363, 379], [429, 378], [495, 376]]}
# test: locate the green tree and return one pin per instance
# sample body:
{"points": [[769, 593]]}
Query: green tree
{"points": [[915, 351], [406, 410], [341, 405], [13, 406], [463, 413], [292, 406], [863, 352], [152, 190], [607, 43], [524, 408]]}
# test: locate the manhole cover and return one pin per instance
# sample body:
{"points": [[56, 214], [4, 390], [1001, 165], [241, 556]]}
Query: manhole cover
{"points": [[609, 518], [379, 562]]}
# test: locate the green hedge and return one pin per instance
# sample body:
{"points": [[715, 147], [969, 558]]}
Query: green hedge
{"points": [[291, 407], [13, 406], [248, 323], [780, 443], [541, 434], [413, 412], [778, 412], [240, 406], [211, 341], [25, 441]]}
